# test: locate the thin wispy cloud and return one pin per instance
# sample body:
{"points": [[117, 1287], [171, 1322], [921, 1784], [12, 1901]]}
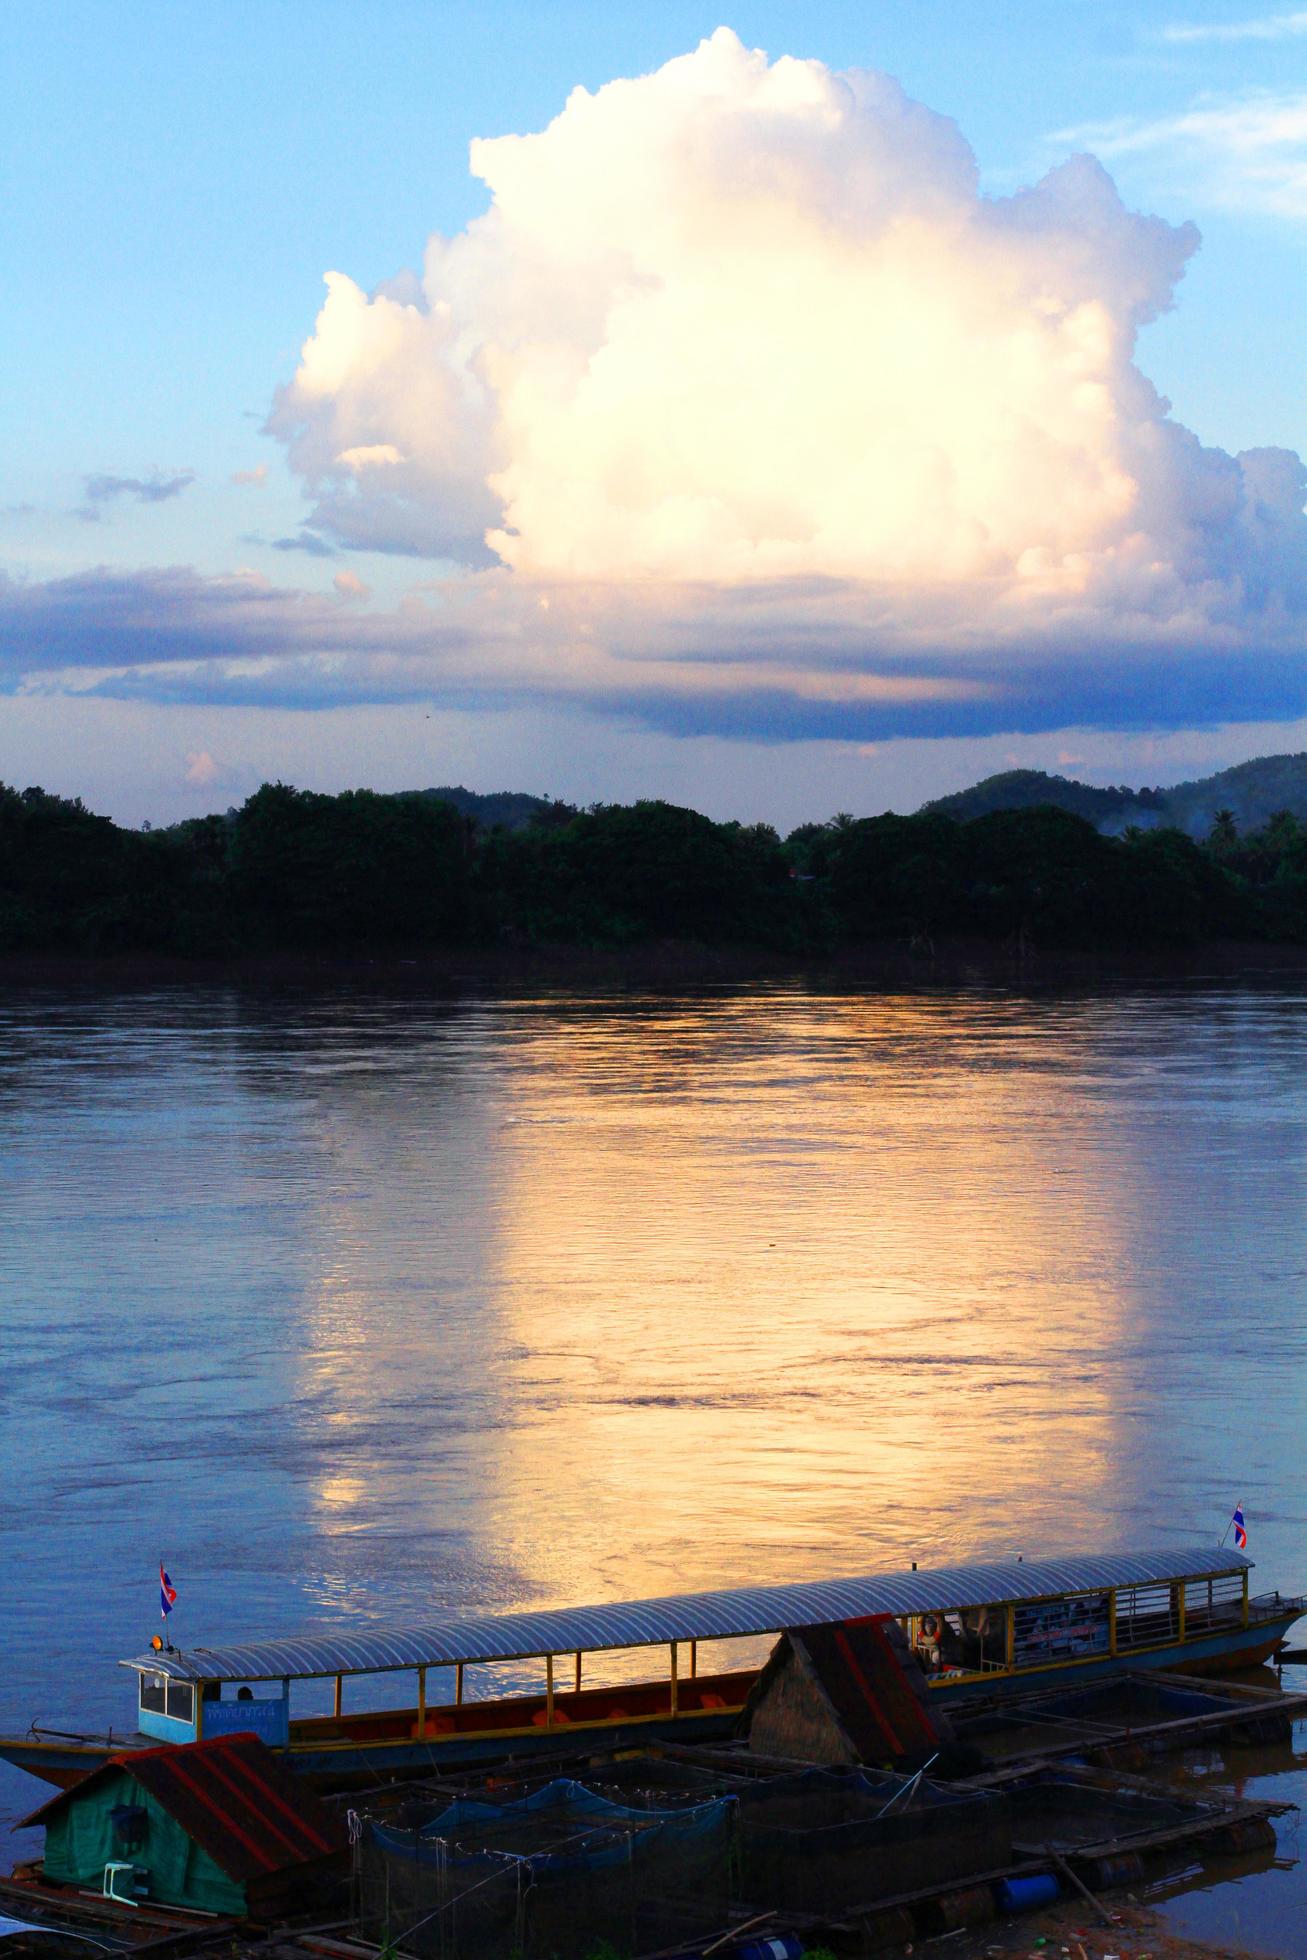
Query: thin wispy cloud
{"points": [[1265, 27], [160, 487], [307, 541], [1245, 153]]}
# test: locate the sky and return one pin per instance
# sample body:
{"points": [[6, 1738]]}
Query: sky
{"points": [[781, 410]]}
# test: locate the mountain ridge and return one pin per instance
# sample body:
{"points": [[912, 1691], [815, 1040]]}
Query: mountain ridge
{"points": [[1252, 791]]}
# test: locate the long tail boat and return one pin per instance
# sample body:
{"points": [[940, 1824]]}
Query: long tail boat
{"points": [[975, 1628]]}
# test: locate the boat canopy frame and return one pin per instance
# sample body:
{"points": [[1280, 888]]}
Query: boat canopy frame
{"points": [[741, 1613]]}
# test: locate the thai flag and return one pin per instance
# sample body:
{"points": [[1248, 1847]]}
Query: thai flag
{"points": [[167, 1593], [1240, 1533]]}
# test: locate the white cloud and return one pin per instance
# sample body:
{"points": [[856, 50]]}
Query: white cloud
{"points": [[351, 586], [740, 322], [252, 479], [1248, 153], [746, 414], [202, 772], [1263, 27], [369, 456]]}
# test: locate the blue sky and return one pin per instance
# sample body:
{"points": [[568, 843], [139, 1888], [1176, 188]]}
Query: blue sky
{"points": [[177, 183]]}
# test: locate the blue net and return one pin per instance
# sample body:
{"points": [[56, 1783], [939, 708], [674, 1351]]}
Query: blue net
{"points": [[566, 1870], [555, 1874]]}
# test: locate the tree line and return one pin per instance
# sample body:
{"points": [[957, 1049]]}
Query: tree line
{"points": [[363, 872]]}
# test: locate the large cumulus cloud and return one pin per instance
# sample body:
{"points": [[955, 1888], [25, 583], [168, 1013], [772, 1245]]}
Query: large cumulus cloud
{"points": [[741, 320], [742, 408]]}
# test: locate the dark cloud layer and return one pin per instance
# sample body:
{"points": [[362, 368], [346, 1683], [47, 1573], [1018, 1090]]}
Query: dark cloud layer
{"points": [[174, 636]]}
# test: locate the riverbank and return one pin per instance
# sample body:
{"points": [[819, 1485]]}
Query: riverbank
{"points": [[1071, 1933], [662, 965]]}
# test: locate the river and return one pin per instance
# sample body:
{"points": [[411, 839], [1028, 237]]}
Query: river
{"points": [[361, 1306]]}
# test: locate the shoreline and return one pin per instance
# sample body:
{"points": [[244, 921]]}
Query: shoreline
{"points": [[669, 965], [1140, 1932]]}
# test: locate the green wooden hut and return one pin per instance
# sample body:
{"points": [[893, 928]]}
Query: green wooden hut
{"points": [[218, 1827]]}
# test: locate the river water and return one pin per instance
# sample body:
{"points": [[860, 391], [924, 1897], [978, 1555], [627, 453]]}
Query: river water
{"points": [[353, 1306]]}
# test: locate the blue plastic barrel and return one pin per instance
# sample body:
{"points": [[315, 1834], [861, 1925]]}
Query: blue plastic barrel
{"points": [[1027, 1894]]}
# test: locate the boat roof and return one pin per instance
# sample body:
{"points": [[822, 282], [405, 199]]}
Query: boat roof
{"points": [[745, 1610]]}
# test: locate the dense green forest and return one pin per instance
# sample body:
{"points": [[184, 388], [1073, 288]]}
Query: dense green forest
{"points": [[292, 871]]}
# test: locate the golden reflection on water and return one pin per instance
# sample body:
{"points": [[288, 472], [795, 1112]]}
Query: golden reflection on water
{"points": [[598, 1299], [782, 1306]]}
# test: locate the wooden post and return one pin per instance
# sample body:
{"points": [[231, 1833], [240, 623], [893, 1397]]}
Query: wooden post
{"points": [[577, 1682], [1010, 1637], [674, 1680], [1181, 1589], [458, 1685], [549, 1691], [336, 1699], [694, 1659], [1111, 1621], [1244, 1615], [422, 1701]]}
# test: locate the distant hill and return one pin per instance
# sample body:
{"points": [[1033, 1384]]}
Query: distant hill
{"points": [[1252, 791], [511, 808], [1024, 789]]}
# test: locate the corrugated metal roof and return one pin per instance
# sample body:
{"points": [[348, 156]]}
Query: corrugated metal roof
{"points": [[233, 1797], [683, 1616]]}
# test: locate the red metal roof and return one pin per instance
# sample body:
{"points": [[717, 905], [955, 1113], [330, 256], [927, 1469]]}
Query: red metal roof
{"points": [[233, 1797]]}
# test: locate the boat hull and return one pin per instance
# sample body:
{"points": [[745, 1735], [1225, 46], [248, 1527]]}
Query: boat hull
{"points": [[67, 1760], [343, 1763]]}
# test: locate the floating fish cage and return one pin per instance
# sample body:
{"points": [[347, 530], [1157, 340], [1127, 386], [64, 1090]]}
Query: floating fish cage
{"points": [[648, 1855], [1113, 1831], [1064, 1813], [559, 1872], [823, 1841], [1107, 1717]]}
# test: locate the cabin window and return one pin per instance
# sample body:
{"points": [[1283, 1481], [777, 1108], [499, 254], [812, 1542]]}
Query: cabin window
{"points": [[969, 1642], [1047, 1630], [181, 1701], [1212, 1603], [154, 1690], [1146, 1616]]}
